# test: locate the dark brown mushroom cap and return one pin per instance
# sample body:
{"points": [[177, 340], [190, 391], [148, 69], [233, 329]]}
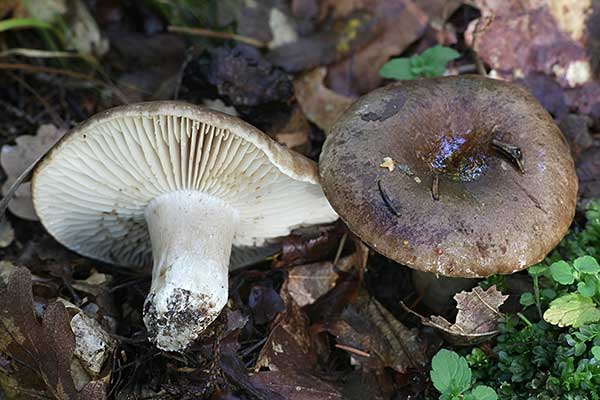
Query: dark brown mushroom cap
{"points": [[490, 218]]}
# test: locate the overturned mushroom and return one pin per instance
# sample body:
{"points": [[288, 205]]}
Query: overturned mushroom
{"points": [[484, 182], [178, 184]]}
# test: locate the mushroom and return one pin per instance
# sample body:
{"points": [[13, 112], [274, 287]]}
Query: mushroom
{"points": [[177, 184], [483, 183]]}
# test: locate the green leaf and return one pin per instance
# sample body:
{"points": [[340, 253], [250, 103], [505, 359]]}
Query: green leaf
{"points": [[22, 23], [536, 270], [432, 62], [587, 288], [572, 310], [484, 393], [596, 352], [397, 68], [439, 55], [562, 273], [587, 264], [527, 299], [450, 372]]}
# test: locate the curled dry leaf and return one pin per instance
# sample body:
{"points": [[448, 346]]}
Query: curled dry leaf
{"points": [[7, 233], [16, 159], [93, 345], [376, 339], [40, 354], [320, 104], [477, 318]]}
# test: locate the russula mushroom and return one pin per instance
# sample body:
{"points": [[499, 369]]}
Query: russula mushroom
{"points": [[483, 180], [178, 184]]}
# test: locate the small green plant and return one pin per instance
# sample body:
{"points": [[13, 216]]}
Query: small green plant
{"points": [[432, 62], [551, 349], [452, 377]]}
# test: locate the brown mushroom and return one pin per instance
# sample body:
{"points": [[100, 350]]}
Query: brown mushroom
{"points": [[483, 181]]}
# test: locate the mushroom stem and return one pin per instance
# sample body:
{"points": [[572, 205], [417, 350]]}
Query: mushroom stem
{"points": [[191, 233], [514, 153]]}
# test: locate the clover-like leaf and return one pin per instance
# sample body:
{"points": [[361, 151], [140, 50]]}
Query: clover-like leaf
{"points": [[562, 273]]}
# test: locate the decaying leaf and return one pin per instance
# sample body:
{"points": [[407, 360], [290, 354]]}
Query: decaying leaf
{"points": [[477, 318], [298, 386], [523, 40], [321, 105], [40, 354], [588, 170], [18, 158], [307, 283], [288, 346], [375, 338], [398, 23]]}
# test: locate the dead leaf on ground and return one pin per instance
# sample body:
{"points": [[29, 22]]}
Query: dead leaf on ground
{"points": [[398, 23], [523, 39], [40, 354], [309, 244], [15, 159], [588, 171], [321, 105], [293, 131], [374, 338], [289, 358], [288, 345], [477, 318], [307, 283]]}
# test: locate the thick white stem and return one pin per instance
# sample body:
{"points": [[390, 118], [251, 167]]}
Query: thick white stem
{"points": [[191, 235]]}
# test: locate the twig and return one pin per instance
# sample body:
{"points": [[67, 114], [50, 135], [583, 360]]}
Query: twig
{"points": [[386, 199], [353, 350], [218, 35]]}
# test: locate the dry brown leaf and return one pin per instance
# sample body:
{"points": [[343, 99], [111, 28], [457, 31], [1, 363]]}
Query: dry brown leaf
{"points": [[320, 104], [375, 338], [15, 159], [288, 346], [528, 40], [477, 318], [297, 386], [40, 354], [398, 23]]}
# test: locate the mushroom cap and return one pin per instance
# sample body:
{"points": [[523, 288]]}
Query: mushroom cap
{"points": [[490, 218], [92, 188]]}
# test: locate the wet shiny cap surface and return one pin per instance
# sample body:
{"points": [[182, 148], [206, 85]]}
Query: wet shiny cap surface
{"points": [[483, 183]]}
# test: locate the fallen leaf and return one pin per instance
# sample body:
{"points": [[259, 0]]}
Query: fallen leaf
{"points": [[265, 303], [576, 130], [374, 338], [309, 244], [321, 105], [297, 386], [15, 159], [306, 283], [477, 317], [288, 345], [588, 171], [93, 345], [398, 23], [524, 39], [40, 354]]}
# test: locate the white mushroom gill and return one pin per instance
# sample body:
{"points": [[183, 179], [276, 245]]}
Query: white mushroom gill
{"points": [[179, 185]]}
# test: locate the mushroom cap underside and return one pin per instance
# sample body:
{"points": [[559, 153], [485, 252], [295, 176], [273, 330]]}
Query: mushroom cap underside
{"points": [[92, 188], [490, 218]]}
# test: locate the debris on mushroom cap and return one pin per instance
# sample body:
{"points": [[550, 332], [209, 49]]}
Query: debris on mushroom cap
{"points": [[498, 187], [388, 163], [178, 184]]}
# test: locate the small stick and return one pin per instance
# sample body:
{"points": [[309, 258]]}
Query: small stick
{"points": [[218, 35], [352, 350], [386, 199], [435, 187]]}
